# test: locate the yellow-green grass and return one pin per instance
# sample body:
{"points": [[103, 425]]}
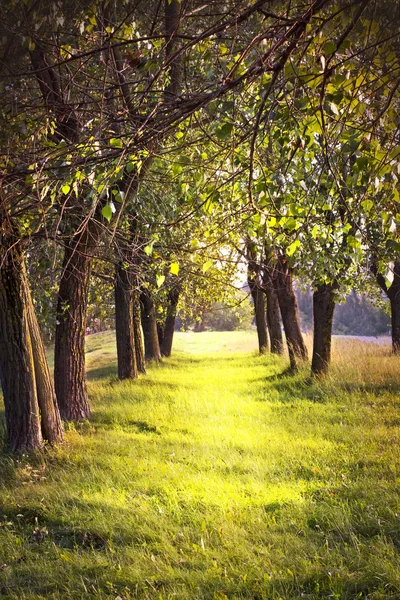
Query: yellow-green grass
{"points": [[218, 475]]}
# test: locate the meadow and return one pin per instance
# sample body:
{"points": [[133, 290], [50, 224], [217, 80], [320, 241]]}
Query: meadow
{"points": [[218, 476]]}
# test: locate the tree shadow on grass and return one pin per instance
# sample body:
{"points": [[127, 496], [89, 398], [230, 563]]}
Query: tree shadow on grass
{"points": [[292, 385], [104, 372], [377, 389], [92, 554]]}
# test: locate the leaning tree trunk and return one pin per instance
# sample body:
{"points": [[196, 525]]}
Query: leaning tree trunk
{"points": [[69, 349], [169, 326], [323, 309], [149, 326], [52, 430], [283, 285], [29, 400], [273, 320], [124, 326]]}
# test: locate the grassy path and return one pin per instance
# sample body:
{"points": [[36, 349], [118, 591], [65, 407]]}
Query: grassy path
{"points": [[216, 476]]}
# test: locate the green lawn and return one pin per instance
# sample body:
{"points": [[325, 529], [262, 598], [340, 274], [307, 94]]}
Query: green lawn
{"points": [[218, 476]]}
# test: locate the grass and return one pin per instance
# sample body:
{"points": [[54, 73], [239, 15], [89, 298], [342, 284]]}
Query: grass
{"points": [[218, 476]]}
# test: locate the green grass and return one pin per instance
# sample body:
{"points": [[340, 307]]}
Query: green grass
{"points": [[216, 476]]}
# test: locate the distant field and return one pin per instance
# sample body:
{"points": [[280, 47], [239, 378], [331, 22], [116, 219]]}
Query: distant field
{"points": [[217, 476]]}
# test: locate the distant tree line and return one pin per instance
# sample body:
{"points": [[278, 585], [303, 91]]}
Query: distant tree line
{"points": [[357, 315]]}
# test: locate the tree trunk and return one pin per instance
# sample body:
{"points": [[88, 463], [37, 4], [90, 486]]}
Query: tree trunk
{"points": [[124, 326], [139, 348], [69, 350], [169, 327], [173, 10], [24, 374], [51, 424], [149, 326], [260, 317], [395, 315], [283, 285], [274, 320], [253, 275], [393, 293], [323, 309]]}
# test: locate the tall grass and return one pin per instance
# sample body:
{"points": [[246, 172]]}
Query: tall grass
{"points": [[216, 476]]}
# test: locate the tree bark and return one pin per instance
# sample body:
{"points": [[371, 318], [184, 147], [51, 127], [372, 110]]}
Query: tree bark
{"points": [[260, 318], [393, 293], [139, 347], [169, 326], [30, 409], [124, 325], [172, 20], [52, 430], [323, 309], [69, 349], [149, 326], [395, 316], [283, 285], [273, 320], [253, 275]]}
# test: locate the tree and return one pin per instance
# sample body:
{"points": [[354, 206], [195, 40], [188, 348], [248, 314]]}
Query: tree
{"points": [[255, 284], [30, 405]]}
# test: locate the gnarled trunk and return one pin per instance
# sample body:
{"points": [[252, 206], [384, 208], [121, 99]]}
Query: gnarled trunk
{"points": [[29, 399], [124, 325], [169, 325], [69, 349], [149, 326], [283, 285], [274, 320], [323, 309]]}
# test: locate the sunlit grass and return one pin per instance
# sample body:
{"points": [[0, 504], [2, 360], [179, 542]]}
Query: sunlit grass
{"points": [[217, 476]]}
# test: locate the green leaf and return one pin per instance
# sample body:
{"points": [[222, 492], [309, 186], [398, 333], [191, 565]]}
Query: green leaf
{"points": [[352, 242], [329, 47], [224, 131], [395, 153], [66, 189], [119, 196], [367, 205], [362, 162], [334, 109], [207, 265], [116, 143], [290, 250], [290, 224], [174, 268], [160, 280], [107, 212], [130, 166], [393, 245]]}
